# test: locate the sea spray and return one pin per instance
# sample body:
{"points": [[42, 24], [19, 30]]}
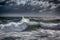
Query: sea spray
{"points": [[15, 26]]}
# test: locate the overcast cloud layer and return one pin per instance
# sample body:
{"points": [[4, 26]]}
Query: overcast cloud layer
{"points": [[32, 7]]}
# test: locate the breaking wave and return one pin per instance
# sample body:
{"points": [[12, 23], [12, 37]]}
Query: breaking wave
{"points": [[50, 25], [23, 25], [14, 26]]}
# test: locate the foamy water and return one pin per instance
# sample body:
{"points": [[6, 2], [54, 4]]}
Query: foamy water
{"points": [[13, 31], [23, 24], [50, 25], [15, 26]]}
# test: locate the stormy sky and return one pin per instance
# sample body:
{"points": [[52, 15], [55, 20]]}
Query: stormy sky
{"points": [[30, 8]]}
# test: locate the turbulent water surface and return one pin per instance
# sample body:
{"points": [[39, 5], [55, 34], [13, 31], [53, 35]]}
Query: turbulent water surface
{"points": [[28, 29]]}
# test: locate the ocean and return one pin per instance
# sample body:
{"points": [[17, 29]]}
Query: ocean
{"points": [[29, 28]]}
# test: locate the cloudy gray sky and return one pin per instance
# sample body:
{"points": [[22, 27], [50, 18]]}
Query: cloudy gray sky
{"points": [[29, 8]]}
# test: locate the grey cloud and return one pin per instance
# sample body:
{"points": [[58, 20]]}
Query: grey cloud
{"points": [[26, 6]]}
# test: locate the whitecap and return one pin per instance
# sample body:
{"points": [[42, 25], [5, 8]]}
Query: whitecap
{"points": [[48, 25], [15, 26]]}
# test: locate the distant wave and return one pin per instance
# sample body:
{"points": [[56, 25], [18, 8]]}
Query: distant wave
{"points": [[50, 25]]}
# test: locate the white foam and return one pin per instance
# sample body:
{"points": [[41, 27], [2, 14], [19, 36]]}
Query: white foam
{"points": [[48, 24], [15, 26]]}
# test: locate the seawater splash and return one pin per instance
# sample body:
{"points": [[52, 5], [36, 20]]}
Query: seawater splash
{"points": [[15, 26]]}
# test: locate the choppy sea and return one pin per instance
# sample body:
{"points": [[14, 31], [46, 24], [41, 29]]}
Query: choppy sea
{"points": [[12, 28]]}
